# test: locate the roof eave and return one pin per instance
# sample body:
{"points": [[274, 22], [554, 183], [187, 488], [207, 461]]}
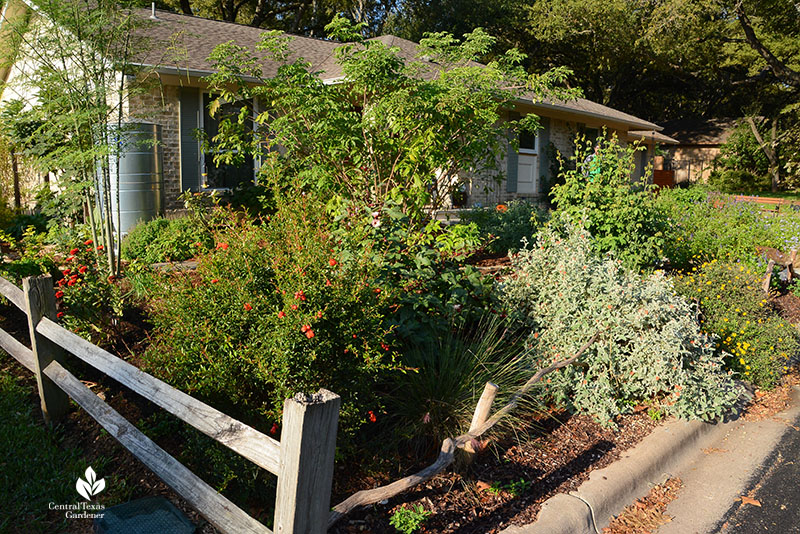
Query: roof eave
{"points": [[642, 124]]}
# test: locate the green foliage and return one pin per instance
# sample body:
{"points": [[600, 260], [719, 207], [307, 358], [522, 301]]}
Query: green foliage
{"points": [[504, 227], [270, 312], [31, 256], [738, 181], [409, 520], [435, 397], [649, 345], [620, 215], [704, 226], [458, 239], [161, 240], [39, 467], [399, 129], [756, 342], [430, 287], [742, 153]]}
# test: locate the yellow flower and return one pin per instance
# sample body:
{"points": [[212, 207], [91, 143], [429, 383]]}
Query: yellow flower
{"points": [[741, 360]]}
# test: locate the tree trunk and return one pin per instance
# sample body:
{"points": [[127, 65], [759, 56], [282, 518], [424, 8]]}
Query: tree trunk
{"points": [[15, 173], [770, 150], [186, 7], [779, 68]]}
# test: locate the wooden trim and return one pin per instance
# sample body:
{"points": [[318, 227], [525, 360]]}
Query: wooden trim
{"points": [[219, 511], [259, 448], [20, 352], [12, 293]]}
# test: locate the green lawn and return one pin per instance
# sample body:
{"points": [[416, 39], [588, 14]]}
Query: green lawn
{"points": [[35, 468]]}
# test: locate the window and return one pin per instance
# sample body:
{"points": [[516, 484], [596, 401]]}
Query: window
{"points": [[527, 142], [222, 176]]}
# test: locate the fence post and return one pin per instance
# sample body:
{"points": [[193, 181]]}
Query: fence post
{"points": [[308, 444], [40, 301]]}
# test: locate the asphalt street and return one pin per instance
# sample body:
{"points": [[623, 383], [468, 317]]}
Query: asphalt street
{"points": [[776, 486]]}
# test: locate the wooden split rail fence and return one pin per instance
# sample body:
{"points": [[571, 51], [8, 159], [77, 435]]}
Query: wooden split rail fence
{"points": [[302, 459]]}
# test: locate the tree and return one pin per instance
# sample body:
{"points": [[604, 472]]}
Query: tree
{"points": [[79, 77], [390, 131]]}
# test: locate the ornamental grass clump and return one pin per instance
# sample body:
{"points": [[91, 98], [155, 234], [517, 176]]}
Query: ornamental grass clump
{"points": [[757, 342], [650, 348]]}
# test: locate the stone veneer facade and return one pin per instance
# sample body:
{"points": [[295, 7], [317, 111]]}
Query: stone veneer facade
{"points": [[161, 105]]}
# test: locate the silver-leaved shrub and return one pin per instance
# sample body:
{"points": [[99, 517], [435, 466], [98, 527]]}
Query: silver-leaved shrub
{"points": [[650, 348]]}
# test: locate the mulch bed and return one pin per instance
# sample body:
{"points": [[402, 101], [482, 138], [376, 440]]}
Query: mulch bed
{"points": [[506, 485]]}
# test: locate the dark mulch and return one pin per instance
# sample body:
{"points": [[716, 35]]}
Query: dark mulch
{"points": [[484, 499], [788, 305]]}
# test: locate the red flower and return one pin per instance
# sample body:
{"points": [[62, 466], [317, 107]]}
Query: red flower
{"points": [[112, 278], [66, 272], [99, 247], [59, 315], [70, 258], [223, 246], [328, 282], [372, 417], [60, 283], [293, 306], [59, 294], [502, 208], [247, 306], [299, 295], [384, 346], [198, 244], [74, 277], [377, 290], [305, 328], [214, 280], [83, 269], [332, 262], [281, 315], [319, 314], [310, 334], [71, 282], [74, 251], [88, 242], [274, 429]]}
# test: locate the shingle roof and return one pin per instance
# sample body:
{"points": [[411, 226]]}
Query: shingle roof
{"points": [[190, 41], [700, 131], [655, 136]]}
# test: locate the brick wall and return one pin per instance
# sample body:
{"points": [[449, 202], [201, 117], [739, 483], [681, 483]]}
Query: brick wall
{"points": [[161, 105]]}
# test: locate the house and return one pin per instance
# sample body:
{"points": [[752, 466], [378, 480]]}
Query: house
{"points": [[178, 103], [692, 157]]}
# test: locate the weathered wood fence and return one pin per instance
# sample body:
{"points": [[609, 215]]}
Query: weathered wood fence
{"points": [[302, 459]]}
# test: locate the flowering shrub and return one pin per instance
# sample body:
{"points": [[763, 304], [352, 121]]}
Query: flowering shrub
{"points": [[704, 226], [504, 226], [756, 341], [621, 215], [86, 297], [272, 311], [650, 347]]}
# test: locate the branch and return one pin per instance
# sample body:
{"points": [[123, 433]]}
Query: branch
{"points": [[779, 69], [449, 446]]}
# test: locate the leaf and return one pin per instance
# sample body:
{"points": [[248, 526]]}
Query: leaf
{"points": [[750, 500], [482, 486], [91, 476], [98, 486], [84, 489]]}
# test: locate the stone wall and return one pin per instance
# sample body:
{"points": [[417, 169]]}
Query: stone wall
{"points": [[160, 104]]}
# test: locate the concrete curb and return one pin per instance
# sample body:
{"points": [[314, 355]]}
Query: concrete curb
{"points": [[589, 509]]}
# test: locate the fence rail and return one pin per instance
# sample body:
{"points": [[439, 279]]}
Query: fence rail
{"points": [[302, 460]]}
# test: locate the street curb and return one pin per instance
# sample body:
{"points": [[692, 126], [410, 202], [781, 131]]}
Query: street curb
{"points": [[592, 506]]}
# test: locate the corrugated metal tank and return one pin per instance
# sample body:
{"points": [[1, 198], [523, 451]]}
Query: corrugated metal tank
{"points": [[141, 176]]}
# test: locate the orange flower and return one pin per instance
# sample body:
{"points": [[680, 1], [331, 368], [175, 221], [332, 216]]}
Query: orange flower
{"points": [[332, 262], [310, 334], [502, 208], [247, 306]]}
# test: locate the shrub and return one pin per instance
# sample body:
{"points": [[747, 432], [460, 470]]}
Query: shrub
{"points": [[621, 215], [270, 312], [650, 347], [756, 342], [31, 256], [739, 181], [504, 227], [161, 240], [430, 286], [706, 226], [409, 520], [87, 299]]}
